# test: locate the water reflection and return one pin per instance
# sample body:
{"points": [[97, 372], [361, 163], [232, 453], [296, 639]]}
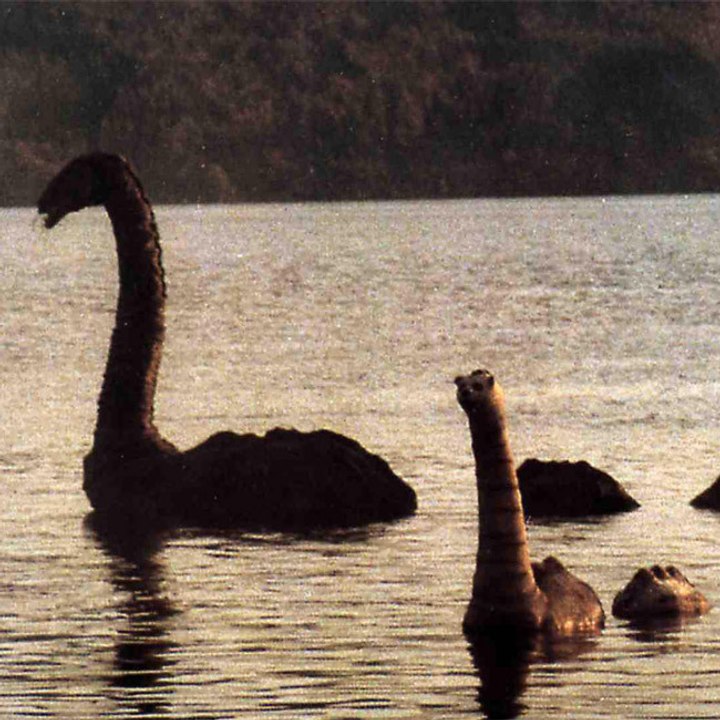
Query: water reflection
{"points": [[143, 650], [227, 542], [142, 680], [659, 629], [503, 663]]}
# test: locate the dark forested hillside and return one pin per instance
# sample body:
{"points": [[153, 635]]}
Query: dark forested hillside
{"points": [[225, 101]]}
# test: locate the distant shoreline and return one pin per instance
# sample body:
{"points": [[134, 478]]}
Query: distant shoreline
{"points": [[352, 101]]}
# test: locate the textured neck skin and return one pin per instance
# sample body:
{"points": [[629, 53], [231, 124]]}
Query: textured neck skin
{"points": [[511, 595], [125, 406], [503, 561], [505, 594]]}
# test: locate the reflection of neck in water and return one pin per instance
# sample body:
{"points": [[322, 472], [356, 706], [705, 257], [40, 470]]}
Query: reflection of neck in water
{"points": [[503, 661], [142, 647], [502, 664]]}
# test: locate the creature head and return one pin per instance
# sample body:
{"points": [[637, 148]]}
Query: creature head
{"points": [[658, 591], [480, 396], [82, 183]]}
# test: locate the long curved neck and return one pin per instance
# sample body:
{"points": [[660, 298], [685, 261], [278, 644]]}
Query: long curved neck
{"points": [[503, 571], [125, 406]]}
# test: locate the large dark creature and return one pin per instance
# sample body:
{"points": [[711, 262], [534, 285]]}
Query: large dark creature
{"points": [[282, 480]]}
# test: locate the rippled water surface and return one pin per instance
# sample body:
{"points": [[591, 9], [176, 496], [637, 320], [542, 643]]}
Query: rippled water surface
{"points": [[601, 319]]}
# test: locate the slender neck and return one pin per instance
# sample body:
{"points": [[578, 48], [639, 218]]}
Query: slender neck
{"points": [[503, 568], [125, 406]]}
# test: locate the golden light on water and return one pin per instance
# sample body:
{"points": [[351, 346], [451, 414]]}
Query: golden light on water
{"points": [[601, 318]]}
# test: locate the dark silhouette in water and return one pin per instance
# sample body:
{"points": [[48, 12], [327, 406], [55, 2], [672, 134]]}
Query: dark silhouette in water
{"points": [[708, 499], [509, 593], [502, 664], [283, 480], [503, 661], [144, 649], [570, 489]]}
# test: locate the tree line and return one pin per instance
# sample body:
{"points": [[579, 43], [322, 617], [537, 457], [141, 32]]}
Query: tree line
{"points": [[255, 101]]}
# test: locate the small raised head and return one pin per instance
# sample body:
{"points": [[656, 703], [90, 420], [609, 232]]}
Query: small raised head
{"points": [[659, 591], [82, 183], [478, 391]]}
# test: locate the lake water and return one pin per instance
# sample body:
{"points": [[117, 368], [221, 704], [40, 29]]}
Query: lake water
{"points": [[599, 316]]}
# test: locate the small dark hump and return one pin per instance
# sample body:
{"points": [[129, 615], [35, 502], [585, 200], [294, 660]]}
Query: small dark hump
{"points": [[552, 564]]}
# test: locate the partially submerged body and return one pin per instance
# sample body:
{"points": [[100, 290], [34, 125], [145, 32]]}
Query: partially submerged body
{"points": [[659, 592], [570, 489], [284, 479], [509, 592]]}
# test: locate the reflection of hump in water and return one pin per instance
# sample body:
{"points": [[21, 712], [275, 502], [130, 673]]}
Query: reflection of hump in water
{"points": [[143, 650], [283, 480]]}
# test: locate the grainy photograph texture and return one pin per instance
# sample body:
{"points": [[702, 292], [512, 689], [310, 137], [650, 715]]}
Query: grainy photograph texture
{"points": [[359, 360]]}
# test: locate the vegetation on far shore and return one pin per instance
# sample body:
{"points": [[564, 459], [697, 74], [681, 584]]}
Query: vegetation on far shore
{"points": [[252, 101]]}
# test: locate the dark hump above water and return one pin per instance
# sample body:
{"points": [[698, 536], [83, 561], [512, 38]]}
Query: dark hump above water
{"points": [[294, 480], [570, 489], [708, 499]]}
